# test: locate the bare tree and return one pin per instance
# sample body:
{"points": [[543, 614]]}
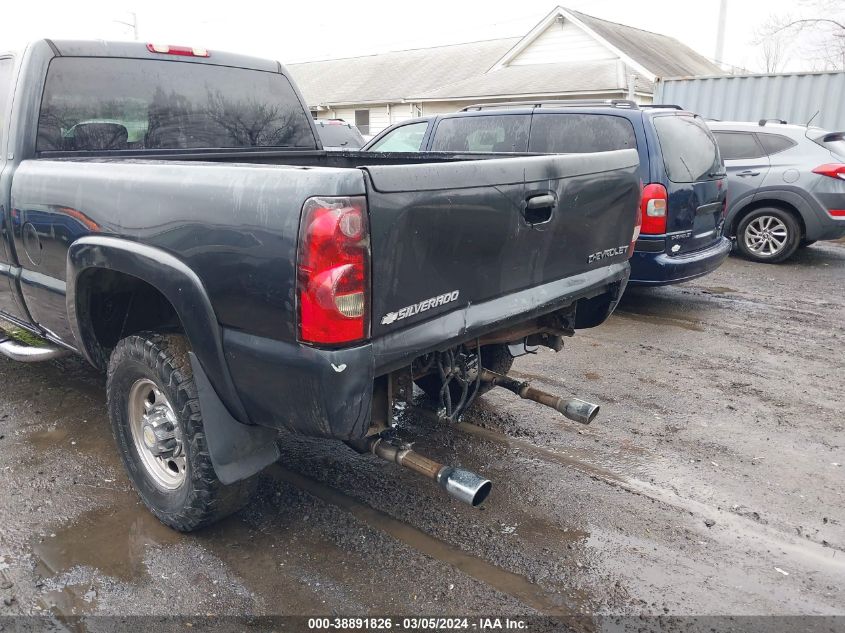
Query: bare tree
{"points": [[772, 54], [818, 28]]}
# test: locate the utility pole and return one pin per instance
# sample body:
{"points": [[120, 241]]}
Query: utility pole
{"points": [[133, 24], [720, 32]]}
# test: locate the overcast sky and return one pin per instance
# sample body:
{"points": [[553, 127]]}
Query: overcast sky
{"points": [[320, 30]]}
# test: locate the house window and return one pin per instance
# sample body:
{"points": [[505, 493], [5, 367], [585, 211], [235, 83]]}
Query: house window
{"points": [[362, 121]]}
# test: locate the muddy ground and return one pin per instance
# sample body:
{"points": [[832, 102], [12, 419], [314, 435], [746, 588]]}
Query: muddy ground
{"points": [[713, 482]]}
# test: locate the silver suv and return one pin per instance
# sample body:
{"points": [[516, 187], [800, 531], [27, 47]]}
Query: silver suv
{"points": [[786, 186]]}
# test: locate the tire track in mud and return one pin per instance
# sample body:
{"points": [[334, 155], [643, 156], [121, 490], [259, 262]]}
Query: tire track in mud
{"points": [[507, 582]]}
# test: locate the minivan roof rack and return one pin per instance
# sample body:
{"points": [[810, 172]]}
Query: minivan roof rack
{"points": [[626, 104], [763, 122], [671, 106]]}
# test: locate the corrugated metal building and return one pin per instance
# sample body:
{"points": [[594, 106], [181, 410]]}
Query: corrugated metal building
{"points": [[794, 97]]}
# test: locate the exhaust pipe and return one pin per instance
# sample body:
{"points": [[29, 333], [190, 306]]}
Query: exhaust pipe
{"points": [[461, 484], [573, 408], [30, 353]]}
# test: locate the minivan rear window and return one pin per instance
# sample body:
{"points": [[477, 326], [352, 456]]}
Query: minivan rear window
{"points": [[507, 133], [109, 104], [689, 150], [570, 133]]}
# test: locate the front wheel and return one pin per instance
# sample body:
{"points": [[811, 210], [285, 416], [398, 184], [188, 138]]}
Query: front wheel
{"points": [[157, 424], [768, 235]]}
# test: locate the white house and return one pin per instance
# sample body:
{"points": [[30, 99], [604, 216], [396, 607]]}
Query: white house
{"points": [[568, 55]]}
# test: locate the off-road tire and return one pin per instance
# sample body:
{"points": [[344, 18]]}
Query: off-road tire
{"points": [[791, 244], [201, 499], [496, 358]]}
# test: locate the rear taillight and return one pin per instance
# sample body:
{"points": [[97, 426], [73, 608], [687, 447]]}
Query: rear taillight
{"points": [[653, 205], [333, 271], [832, 170], [184, 51]]}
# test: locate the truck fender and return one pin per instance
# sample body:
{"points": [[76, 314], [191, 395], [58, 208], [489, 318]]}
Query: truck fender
{"points": [[223, 412]]}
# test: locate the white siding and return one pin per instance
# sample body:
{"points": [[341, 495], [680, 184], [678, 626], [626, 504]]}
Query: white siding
{"points": [[443, 107], [562, 43]]}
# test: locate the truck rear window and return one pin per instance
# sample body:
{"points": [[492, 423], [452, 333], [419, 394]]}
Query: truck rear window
{"points": [[689, 150], [107, 104], [571, 133]]}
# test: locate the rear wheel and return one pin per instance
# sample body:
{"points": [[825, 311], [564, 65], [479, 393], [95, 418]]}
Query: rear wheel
{"points": [[157, 424], [493, 357], [768, 235]]}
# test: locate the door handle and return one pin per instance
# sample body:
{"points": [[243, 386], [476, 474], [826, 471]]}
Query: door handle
{"points": [[538, 209], [543, 201], [747, 173]]}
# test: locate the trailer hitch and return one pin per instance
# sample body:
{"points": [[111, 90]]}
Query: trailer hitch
{"points": [[573, 408]]}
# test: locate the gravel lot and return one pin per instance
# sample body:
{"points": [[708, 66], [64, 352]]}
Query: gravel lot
{"points": [[713, 482]]}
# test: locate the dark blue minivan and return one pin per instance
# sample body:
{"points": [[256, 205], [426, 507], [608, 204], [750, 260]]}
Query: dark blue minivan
{"points": [[684, 180]]}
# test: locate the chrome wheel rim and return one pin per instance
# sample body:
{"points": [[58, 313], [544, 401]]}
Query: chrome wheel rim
{"points": [[766, 236], [156, 435]]}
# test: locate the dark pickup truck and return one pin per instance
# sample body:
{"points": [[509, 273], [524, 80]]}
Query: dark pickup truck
{"points": [[169, 214]]}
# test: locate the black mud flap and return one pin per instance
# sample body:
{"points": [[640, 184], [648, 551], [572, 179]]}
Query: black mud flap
{"points": [[237, 450]]}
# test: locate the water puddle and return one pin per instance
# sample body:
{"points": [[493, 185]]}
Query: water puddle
{"points": [[112, 541], [676, 321], [512, 584]]}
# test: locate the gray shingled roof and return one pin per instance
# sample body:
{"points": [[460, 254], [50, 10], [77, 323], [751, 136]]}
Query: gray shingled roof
{"points": [[393, 76], [540, 79], [461, 70], [662, 55]]}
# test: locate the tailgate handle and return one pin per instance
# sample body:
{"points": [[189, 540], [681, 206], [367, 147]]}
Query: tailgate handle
{"points": [[538, 209]]}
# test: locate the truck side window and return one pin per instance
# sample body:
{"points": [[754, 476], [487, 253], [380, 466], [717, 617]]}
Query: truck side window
{"points": [[6, 66], [734, 145], [108, 104], [559, 133], [502, 133], [407, 138]]}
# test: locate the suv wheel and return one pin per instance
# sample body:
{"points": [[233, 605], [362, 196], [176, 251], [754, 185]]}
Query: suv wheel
{"points": [[768, 235], [157, 424]]}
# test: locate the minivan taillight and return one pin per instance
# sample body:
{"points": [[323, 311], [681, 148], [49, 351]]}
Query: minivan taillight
{"points": [[333, 271], [832, 170], [653, 205]]}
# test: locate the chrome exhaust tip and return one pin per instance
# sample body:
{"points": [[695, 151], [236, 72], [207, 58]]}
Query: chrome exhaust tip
{"points": [[461, 484], [464, 485], [580, 410]]}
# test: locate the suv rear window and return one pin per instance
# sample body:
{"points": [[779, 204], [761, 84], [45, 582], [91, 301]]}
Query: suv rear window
{"points": [[507, 133], [689, 151], [735, 145], [558, 133], [124, 104], [774, 143]]}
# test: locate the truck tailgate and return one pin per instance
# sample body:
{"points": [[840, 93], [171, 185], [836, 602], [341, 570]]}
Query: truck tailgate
{"points": [[447, 235]]}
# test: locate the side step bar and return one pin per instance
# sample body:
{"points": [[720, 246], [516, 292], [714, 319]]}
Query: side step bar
{"points": [[29, 353]]}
